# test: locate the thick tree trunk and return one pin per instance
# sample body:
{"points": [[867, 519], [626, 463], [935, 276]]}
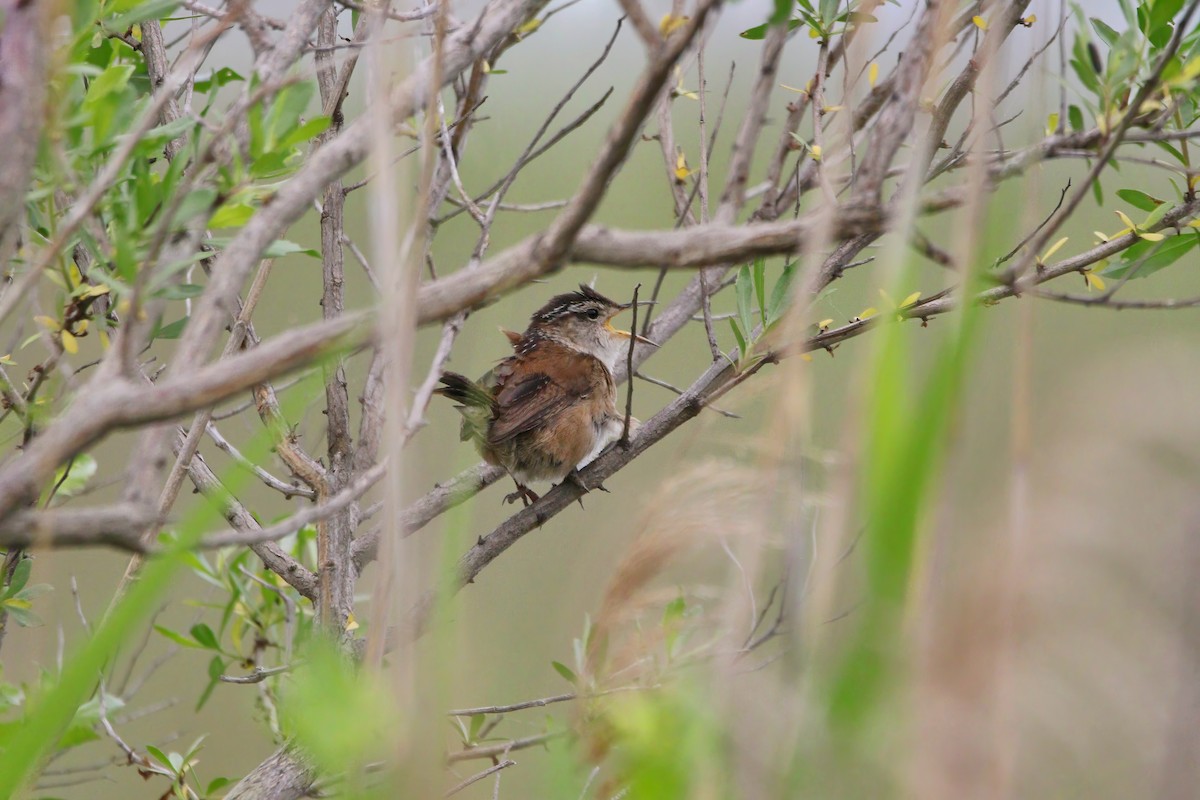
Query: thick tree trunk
{"points": [[285, 775]]}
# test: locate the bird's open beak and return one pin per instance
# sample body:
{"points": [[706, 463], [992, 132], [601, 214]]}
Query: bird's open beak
{"points": [[628, 334]]}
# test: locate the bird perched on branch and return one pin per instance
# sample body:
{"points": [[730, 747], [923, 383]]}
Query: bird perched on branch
{"points": [[550, 408]]}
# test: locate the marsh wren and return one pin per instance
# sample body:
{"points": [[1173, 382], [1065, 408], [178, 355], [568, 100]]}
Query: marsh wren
{"points": [[550, 408]]}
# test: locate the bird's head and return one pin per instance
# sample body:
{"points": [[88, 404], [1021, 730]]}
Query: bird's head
{"points": [[582, 320]]}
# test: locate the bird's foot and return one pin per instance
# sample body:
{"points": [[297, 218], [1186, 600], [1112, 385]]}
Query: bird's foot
{"points": [[523, 493]]}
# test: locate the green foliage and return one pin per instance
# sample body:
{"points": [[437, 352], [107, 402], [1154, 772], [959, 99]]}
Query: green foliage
{"points": [[750, 290], [337, 713], [17, 598], [824, 21]]}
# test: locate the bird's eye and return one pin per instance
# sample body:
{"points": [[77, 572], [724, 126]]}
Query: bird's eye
{"points": [[593, 313]]}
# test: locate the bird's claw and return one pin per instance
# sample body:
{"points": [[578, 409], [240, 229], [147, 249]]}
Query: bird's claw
{"points": [[523, 493]]}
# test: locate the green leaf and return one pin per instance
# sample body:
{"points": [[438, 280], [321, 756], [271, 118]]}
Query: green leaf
{"points": [[204, 636], [1159, 22], [221, 77], [477, 721], [176, 637], [216, 668], [782, 10], [197, 202], [112, 80], [781, 295], [217, 783], [309, 130], [271, 164], [282, 247], [165, 133], [171, 331], [565, 671], [19, 612], [290, 103], [1106, 33], [159, 756], [76, 735], [1075, 117], [142, 10], [34, 591], [1155, 216], [1167, 253], [73, 476], [674, 611], [760, 286], [181, 291], [20, 577], [1138, 199], [1174, 151], [744, 286], [760, 31], [737, 334], [231, 216]]}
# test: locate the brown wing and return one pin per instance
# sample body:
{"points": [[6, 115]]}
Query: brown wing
{"points": [[535, 394]]}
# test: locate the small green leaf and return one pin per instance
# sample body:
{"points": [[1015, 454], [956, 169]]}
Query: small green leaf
{"points": [[737, 334], [309, 130], [204, 636], [1174, 151], [217, 783], [781, 295], [197, 202], [760, 286], [782, 10], [176, 637], [171, 331], [1155, 216], [744, 286], [760, 31], [131, 12], [1167, 253], [165, 133], [20, 577], [181, 291], [1075, 117], [565, 671], [73, 476], [231, 216], [219, 78], [282, 247], [674, 610], [19, 611], [1138, 199], [112, 80], [477, 721], [1104, 31], [159, 755], [216, 668]]}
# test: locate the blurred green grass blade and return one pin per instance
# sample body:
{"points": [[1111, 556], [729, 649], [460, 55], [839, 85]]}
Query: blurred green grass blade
{"points": [[908, 422]]}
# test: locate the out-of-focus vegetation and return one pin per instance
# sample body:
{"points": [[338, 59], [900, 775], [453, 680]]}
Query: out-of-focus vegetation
{"points": [[956, 558]]}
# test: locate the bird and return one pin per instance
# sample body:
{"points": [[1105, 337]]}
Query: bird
{"points": [[549, 409]]}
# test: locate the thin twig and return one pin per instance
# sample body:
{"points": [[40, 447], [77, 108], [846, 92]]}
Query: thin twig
{"points": [[624, 441]]}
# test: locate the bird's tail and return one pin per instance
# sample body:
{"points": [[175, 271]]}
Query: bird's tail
{"points": [[464, 390], [475, 403]]}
